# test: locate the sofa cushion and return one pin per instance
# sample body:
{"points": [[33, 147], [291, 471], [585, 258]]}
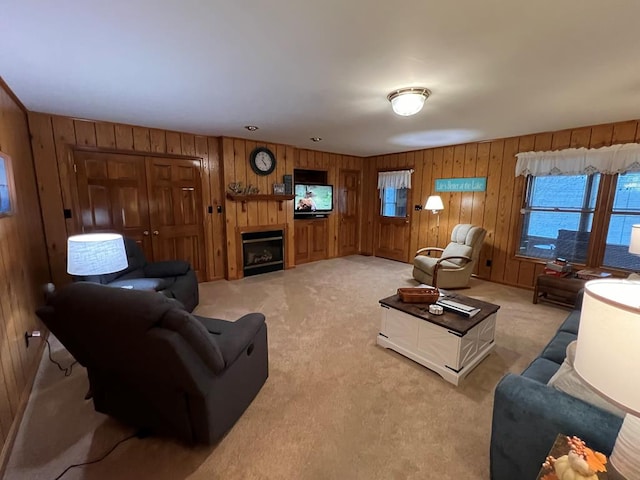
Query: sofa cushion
{"points": [[541, 370], [157, 284], [572, 323], [557, 347], [567, 380]]}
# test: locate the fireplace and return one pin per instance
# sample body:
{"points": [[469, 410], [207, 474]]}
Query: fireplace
{"points": [[262, 252]]}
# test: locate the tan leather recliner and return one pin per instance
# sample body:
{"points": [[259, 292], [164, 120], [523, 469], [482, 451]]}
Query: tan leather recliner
{"points": [[453, 268]]}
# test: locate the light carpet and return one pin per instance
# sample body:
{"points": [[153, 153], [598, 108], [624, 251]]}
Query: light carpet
{"points": [[335, 405]]}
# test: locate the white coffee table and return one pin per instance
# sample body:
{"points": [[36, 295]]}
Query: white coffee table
{"points": [[449, 344]]}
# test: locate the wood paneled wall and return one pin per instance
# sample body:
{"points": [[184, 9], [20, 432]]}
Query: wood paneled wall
{"points": [[497, 209], [260, 213], [332, 163], [53, 140], [23, 272]]}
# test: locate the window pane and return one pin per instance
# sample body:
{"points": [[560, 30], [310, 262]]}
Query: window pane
{"points": [[549, 235], [561, 191], [627, 193], [5, 203], [616, 253], [627, 199], [394, 202]]}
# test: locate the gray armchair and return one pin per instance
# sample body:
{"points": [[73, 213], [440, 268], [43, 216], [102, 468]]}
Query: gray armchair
{"points": [[153, 365], [174, 278], [453, 266]]}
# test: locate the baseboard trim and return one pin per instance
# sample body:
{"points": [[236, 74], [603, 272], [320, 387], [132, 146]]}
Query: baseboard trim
{"points": [[7, 448]]}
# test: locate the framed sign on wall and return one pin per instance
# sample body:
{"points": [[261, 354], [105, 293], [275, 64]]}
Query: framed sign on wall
{"points": [[477, 184], [7, 200]]}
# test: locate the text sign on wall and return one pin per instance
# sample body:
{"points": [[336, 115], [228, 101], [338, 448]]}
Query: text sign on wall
{"points": [[478, 184]]}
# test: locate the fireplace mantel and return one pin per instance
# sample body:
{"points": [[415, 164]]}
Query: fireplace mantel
{"points": [[257, 197]]}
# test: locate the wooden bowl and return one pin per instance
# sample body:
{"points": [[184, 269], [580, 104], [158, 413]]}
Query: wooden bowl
{"points": [[419, 294]]}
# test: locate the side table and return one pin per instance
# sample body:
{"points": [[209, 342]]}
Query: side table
{"points": [[557, 290], [560, 448]]}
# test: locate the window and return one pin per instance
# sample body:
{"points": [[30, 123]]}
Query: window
{"points": [[624, 213], [394, 202], [394, 192], [580, 204], [6, 188], [558, 216]]}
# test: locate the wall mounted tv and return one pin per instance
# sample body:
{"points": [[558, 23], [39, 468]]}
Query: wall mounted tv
{"points": [[313, 199]]}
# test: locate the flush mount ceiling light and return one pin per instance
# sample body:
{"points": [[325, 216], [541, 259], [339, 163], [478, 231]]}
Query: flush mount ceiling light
{"points": [[315, 139], [408, 101], [251, 128]]}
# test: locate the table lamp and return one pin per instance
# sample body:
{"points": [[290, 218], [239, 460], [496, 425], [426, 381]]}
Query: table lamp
{"points": [[96, 254], [434, 203], [634, 243], [608, 356]]}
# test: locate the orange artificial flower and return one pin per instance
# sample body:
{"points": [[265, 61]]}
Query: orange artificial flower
{"points": [[595, 460]]}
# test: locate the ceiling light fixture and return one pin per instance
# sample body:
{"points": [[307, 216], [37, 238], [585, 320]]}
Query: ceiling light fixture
{"points": [[251, 128], [315, 139], [408, 101]]}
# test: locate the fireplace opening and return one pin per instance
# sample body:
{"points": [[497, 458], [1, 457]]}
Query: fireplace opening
{"points": [[262, 252]]}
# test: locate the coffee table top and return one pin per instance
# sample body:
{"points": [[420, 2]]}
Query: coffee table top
{"points": [[450, 320]]}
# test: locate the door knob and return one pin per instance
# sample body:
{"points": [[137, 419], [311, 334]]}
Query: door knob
{"points": [[156, 232], [146, 233]]}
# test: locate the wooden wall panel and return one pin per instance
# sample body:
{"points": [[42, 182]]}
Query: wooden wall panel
{"points": [[23, 272], [53, 141], [497, 209], [332, 163], [235, 158]]}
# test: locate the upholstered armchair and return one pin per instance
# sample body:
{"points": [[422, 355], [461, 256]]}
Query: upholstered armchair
{"points": [[174, 278], [153, 365], [454, 265]]}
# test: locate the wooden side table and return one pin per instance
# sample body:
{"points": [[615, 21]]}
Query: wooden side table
{"points": [[557, 290], [560, 448]]}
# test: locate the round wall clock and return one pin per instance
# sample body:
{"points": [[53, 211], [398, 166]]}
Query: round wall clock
{"points": [[262, 161]]}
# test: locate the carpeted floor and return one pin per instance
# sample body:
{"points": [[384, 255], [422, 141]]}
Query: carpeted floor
{"points": [[335, 406]]}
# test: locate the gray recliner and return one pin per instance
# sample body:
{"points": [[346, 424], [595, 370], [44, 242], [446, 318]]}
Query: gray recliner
{"points": [[153, 365], [454, 266], [174, 278]]}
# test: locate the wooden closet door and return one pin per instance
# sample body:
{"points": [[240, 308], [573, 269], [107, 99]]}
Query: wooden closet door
{"points": [[174, 189], [112, 195], [349, 212]]}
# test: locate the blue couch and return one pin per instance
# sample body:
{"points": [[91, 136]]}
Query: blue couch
{"points": [[528, 414]]}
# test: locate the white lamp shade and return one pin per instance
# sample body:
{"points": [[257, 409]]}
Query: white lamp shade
{"points": [[96, 254], [634, 243], [434, 203], [608, 352]]}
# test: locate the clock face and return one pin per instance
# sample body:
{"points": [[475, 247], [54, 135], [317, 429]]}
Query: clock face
{"points": [[262, 161]]}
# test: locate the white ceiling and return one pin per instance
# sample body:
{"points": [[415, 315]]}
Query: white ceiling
{"points": [[299, 69]]}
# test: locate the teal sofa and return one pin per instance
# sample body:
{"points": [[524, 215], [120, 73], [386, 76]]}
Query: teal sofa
{"points": [[528, 414]]}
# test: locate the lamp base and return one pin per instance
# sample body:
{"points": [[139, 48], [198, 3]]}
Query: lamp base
{"points": [[625, 458]]}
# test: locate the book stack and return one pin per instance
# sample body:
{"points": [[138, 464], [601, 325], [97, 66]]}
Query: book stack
{"points": [[558, 268]]}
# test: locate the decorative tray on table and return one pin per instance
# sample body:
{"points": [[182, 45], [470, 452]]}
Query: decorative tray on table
{"points": [[419, 294]]}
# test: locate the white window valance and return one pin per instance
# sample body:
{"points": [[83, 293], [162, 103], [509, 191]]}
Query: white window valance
{"points": [[397, 179], [580, 161]]}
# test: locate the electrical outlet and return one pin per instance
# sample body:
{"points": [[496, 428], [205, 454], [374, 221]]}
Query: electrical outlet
{"points": [[28, 335]]}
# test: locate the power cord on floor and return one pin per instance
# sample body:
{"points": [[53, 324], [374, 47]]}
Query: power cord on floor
{"points": [[143, 433], [67, 370]]}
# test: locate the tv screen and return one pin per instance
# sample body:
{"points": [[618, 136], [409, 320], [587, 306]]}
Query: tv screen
{"points": [[313, 198]]}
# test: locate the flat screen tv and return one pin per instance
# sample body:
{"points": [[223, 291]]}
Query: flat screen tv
{"points": [[313, 199]]}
